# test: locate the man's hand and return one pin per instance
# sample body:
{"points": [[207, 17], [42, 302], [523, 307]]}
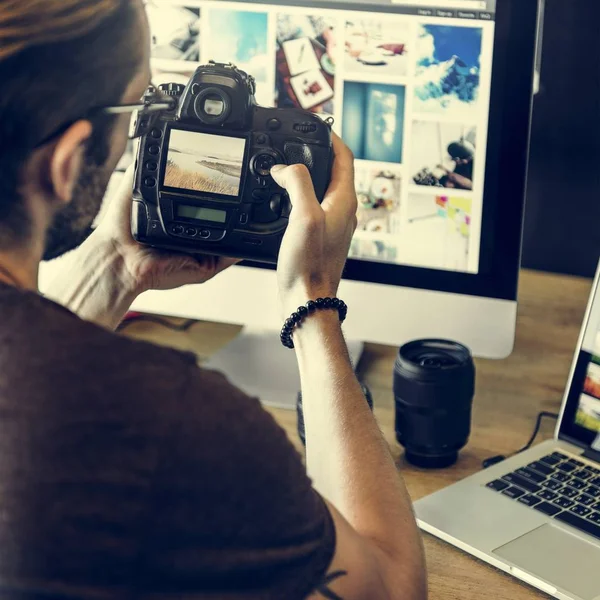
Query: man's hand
{"points": [[317, 241], [102, 278], [147, 268]]}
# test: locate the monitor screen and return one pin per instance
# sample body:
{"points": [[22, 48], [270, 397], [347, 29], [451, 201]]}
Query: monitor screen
{"points": [[202, 162], [409, 85]]}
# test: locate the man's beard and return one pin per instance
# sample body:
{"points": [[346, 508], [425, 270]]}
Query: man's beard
{"points": [[73, 225]]}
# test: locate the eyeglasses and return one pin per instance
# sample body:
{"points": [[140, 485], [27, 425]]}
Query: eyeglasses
{"points": [[153, 102]]}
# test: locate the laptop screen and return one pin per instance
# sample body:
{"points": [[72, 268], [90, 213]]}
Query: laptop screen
{"points": [[581, 419]]}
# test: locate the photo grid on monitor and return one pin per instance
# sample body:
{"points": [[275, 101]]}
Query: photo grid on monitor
{"points": [[410, 96]]}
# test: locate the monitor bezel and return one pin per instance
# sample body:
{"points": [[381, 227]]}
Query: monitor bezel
{"points": [[506, 171]]}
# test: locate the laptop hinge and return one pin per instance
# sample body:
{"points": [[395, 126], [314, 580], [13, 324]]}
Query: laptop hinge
{"points": [[592, 454]]}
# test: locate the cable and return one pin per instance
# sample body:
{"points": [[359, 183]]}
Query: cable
{"points": [[490, 462], [185, 326], [538, 424]]}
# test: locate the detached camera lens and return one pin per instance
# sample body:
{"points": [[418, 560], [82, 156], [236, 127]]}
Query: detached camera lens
{"points": [[434, 385]]}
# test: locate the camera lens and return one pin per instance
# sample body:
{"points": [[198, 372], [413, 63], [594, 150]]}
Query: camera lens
{"points": [[434, 385], [212, 106]]}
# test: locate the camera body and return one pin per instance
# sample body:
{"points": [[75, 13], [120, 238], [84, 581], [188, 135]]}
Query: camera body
{"points": [[202, 178]]}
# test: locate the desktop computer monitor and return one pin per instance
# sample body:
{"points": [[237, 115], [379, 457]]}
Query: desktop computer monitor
{"points": [[434, 98]]}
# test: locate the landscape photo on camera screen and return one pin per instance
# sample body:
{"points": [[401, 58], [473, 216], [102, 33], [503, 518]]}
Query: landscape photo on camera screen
{"points": [[203, 162]]}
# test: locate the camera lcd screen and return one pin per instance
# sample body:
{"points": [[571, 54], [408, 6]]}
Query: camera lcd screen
{"points": [[202, 162], [201, 213]]}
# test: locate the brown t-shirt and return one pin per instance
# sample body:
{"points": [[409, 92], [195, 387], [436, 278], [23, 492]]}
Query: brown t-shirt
{"points": [[128, 472]]}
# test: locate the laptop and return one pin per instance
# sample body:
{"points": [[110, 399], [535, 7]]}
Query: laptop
{"points": [[537, 514]]}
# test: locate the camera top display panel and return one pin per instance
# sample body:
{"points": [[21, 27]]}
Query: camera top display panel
{"points": [[204, 163]]}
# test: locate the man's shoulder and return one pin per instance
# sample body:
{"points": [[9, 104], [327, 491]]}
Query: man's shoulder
{"points": [[51, 341]]}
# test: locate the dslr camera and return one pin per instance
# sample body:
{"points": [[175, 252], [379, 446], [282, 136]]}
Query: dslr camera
{"points": [[202, 177]]}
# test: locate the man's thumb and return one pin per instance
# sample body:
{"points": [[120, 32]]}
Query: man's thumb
{"points": [[278, 168], [296, 180]]}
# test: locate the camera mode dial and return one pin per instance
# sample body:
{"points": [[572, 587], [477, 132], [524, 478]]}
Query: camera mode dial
{"points": [[172, 89]]}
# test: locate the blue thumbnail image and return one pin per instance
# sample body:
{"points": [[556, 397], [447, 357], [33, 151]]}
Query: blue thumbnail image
{"points": [[240, 37], [373, 121], [448, 70]]}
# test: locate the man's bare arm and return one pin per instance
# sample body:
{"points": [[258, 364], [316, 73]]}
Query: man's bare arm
{"points": [[379, 548]]}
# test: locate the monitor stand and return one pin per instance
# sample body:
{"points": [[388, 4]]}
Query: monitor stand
{"points": [[258, 364]]}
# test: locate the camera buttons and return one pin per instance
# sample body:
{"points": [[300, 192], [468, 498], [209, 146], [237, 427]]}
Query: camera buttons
{"points": [[263, 214], [154, 149], [273, 124], [151, 166], [190, 231], [263, 164], [261, 139], [156, 133], [275, 204], [243, 219], [204, 234], [259, 196], [149, 182], [177, 229]]}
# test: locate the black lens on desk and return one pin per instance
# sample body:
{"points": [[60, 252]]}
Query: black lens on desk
{"points": [[434, 385]]}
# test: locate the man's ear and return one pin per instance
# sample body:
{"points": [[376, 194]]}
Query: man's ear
{"points": [[67, 159]]}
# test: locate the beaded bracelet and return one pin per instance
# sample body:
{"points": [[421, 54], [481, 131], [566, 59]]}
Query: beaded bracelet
{"points": [[310, 307]]}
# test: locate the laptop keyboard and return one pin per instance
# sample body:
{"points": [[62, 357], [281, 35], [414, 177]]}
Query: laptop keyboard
{"points": [[558, 486]]}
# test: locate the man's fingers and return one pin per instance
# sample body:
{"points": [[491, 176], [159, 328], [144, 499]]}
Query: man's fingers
{"points": [[126, 185], [115, 213], [118, 204], [296, 180], [341, 195]]}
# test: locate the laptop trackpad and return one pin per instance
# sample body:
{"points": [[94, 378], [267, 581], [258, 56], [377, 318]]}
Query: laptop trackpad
{"points": [[559, 558]]}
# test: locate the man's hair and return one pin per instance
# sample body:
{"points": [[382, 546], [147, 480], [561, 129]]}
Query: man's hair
{"points": [[58, 60]]}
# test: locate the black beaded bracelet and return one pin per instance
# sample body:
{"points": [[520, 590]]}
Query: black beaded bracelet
{"points": [[310, 307]]}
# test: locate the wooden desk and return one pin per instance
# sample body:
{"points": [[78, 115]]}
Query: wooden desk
{"points": [[510, 394]]}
